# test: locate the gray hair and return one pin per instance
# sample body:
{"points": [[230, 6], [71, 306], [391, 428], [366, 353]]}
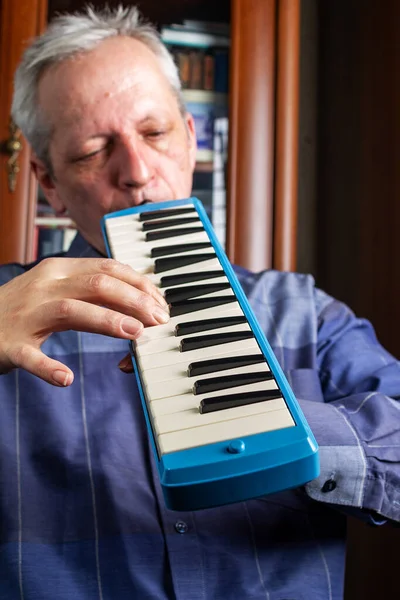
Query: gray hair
{"points": [[66, 36]]}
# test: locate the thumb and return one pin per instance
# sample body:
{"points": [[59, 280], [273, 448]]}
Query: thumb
{"points": [[36, 362]]}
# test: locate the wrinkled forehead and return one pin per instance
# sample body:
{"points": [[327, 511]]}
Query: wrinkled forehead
{"points": [[119, 68]]}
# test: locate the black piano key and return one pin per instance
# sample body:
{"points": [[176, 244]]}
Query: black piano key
{"points": [[192, 291], [188, 306], [178, 249], [177, 262], [153, 236], [165, 224], [216, 339], [160, 214], [207, 324], [173, 280], [205, 386], [203, 367], [234, 400]]}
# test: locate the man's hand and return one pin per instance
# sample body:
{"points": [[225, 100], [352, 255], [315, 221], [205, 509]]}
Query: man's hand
{"points": [[84, 294]]}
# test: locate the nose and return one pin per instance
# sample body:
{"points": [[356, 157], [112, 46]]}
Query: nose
{"points": [[134, 168]]}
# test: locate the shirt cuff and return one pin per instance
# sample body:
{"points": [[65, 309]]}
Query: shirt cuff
{"points": [[343, 462], [342, 476]]}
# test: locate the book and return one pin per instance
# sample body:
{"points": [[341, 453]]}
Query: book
{"points": [[214, 27], [208, 82], [205, 106], [182, 61], [196, 39], [218, 213], [69, 235], [196, 63], [49, 240], [53, 221]]}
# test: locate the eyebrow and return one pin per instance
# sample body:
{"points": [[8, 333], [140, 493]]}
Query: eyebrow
{"points": [[149, 119]]}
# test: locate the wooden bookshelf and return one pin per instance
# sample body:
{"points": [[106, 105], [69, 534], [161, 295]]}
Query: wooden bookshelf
{"points": [[263, 51]]}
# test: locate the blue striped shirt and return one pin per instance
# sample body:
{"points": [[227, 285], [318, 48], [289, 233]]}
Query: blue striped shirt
{"points": [[81, 512]]}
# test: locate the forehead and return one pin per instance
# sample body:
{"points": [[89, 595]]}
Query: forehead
{"points": [[120, 69]]}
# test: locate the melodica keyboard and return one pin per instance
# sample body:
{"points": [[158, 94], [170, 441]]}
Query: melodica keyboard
{"points": [[223, 421]]}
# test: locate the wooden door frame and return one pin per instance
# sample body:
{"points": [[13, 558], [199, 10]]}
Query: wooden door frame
{"points": [[19, 22], [263, 144]]}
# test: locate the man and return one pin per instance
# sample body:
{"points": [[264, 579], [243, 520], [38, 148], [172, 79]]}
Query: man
{"points": [[81, 511]]}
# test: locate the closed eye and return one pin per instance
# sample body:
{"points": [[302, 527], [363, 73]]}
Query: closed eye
{"points": [[105, 147], [155, 134], [90, 155], [97, 151]]}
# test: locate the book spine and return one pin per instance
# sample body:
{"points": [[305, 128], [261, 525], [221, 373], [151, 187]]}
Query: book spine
{"points": [[208, 71], [183, 64], [196, 70]]}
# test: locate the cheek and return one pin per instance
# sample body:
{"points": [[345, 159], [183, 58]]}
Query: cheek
{"points": [[86, 184], [179, 159], [86, 195]]}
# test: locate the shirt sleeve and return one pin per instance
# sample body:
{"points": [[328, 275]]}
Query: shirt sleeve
{"points": [[358, 425]]}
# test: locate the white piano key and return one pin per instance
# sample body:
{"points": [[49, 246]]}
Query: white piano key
{"points": [[163, 359], [119, 251], [135, 231], [225, 430], [117, 224], [146, 265], [126, 237], [139, 263], [192, 418], [214, 280], [130, 240], [171, 343], [179, 370], [125, 222], [178, 404], [157, 390], [160, 331], [127, 250], [212, 264], [226, 292]]}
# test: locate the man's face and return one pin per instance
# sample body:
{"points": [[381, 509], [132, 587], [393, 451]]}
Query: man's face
{"points": [[118, 137]]}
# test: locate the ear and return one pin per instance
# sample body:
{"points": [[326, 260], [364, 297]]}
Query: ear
{"points": [[191, 129], [48, 185]]}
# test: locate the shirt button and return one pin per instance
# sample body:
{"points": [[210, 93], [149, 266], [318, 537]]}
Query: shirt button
{"points": [[329, 486], [181, 527]]}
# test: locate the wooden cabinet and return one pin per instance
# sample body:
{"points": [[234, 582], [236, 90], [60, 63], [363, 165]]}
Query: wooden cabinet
{"points": [[359, 210], [262, 174], [18, 22]]}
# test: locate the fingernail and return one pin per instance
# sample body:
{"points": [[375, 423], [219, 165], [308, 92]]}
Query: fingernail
{"points": [[130, 326], [62, 378], [161, 315], [161, 301]]}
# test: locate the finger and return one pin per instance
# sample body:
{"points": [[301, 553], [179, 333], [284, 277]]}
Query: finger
{"points": [[73, 267], [126, 364], [117, 295], [125, 273], [36, 362], [62, 315]]}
